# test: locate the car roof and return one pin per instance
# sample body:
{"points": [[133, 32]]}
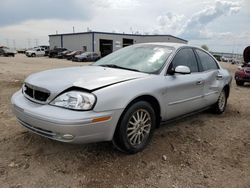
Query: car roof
{"points": [[169, 44]]}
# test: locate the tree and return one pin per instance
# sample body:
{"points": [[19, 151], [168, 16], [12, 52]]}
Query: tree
{"points": [[204, 46]]}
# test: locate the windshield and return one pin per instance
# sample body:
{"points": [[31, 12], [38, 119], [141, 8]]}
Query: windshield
{"points": [[144, 58]]}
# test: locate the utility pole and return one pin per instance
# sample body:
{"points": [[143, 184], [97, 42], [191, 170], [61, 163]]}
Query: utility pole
{"points": [[28, 41], [14, 44], [36, 42], [7, 42]]}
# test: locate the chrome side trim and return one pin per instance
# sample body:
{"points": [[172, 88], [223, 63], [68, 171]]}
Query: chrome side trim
{"points": [[211, 93], [186, 100]]}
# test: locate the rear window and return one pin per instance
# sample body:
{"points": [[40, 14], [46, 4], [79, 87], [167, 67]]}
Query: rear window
{"points": [[207, 62]]}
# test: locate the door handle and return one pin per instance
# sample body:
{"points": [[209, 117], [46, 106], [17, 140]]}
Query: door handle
{"points": [[200, 82], [219, 77]]}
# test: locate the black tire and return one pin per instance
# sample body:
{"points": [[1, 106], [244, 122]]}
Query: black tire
{"points": [[239, 83], [33, 55], [220, 106], [131, 137]]}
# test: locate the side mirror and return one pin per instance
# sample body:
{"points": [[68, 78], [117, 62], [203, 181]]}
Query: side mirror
{"points": [[182, 69]]}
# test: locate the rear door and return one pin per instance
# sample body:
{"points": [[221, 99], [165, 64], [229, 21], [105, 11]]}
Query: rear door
{"points": [[184, 93], [212, 76]]}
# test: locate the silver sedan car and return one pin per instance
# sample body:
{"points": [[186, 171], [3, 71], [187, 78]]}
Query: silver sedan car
{"points": [[124, 96]]}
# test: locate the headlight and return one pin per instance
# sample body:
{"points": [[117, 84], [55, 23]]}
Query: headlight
{"points": [[75, 100]]}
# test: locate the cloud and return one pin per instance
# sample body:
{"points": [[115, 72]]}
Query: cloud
{"points": [[170, 22], [117, 4], [13, 12], [195, 27]]}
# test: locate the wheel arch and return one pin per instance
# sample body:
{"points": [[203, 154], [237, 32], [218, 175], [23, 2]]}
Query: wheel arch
{"points": [[152, 101], [227, 90], [147, 98]]}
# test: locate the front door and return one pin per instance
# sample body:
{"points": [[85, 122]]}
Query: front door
{"points": [[184, 93]]}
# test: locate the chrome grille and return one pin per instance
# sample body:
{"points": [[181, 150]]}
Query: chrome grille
{"points": [[35, 94]]}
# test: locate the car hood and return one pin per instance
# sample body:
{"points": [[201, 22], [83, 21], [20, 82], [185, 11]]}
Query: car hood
{"points": [[86, 77], [30, 51], [9, 51], [79, 56]]}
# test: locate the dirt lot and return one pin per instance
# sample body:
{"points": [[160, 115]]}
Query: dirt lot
{"points": [[204, 150]]}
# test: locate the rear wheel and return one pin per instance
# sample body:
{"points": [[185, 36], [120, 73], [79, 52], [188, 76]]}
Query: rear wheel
{"points": [[220, 106], [135, 128], [33, 55]]}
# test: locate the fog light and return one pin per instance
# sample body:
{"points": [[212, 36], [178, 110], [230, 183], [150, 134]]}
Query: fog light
{"points": [[67, 136]]}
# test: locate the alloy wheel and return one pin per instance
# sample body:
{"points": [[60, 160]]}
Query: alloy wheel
{"points": [[222, 101], [139, 126]]}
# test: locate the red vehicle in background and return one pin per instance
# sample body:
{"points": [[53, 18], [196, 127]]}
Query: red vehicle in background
{"points": [[242, 75]]}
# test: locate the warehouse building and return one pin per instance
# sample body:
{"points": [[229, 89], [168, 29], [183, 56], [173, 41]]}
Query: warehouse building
{"points": [[105, 43]]}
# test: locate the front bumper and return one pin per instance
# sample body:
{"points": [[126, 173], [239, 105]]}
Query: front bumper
{"points": [[63, 124], [244, 78], [28, 54]]}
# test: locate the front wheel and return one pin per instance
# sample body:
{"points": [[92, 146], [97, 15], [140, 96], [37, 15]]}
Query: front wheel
{"points": [[135, 128], [220, 106]]}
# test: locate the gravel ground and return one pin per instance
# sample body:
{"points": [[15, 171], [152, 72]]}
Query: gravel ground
{"points": [[204, 150]]}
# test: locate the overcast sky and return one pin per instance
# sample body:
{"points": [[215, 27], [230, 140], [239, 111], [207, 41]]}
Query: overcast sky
{"points": [[221, 25]]}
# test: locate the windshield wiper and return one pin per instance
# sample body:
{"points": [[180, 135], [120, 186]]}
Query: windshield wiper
{"points": [[118, 67]]}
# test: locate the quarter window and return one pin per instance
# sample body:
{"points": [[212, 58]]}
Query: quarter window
{"points": [[207, 62], [187, 58]]}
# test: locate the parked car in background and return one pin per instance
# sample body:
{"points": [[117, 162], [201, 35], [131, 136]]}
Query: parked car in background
{"points": [[87, 57], [35, 52], [242, 75], [5, 51], [55, 51], [69, 56], [217, 57], [46, 48], [124, 96], [21, 50], [63, 54], [236, 61], [226, 59]]}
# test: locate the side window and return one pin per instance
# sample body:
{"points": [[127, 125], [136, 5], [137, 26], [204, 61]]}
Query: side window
{"points": [[187, 58], [38, 50], [207, 62]]}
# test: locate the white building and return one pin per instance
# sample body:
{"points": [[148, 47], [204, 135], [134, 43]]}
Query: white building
{"points": [[105, 43]]}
